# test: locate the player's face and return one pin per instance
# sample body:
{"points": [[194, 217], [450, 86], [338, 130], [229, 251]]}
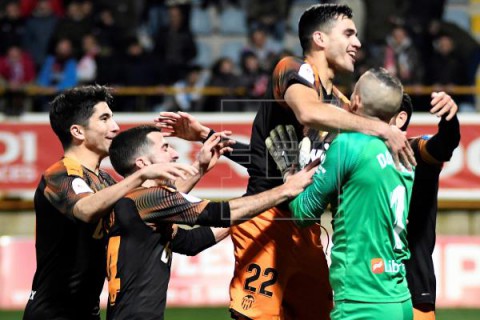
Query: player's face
{"points": [[342, 45], [161, 151], [101, 129]]}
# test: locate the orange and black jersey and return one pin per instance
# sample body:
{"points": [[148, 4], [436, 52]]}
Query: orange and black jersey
{"points": [[430, 152], [139, 258], [274, 111], [70, 253]]}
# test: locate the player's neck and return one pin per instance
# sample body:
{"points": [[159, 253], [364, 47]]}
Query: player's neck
{"points": [[85, 157], [319, 62]]}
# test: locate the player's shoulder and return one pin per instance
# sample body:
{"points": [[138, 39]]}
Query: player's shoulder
{"points": [[293, 64], [358, 139], [66, 167]]}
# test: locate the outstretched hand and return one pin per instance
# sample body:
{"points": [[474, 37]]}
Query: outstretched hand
{"points": [[168, 171], [182, 125], [443, 104], [400, 148], [212, 149]]}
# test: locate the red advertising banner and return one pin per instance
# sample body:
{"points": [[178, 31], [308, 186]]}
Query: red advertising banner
{"points": [[28, 147], [203, 280]]}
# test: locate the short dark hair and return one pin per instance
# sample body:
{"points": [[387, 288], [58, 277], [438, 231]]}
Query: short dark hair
{"points": [[408, 108], [75, 106], [319, 17], [127, 146]]}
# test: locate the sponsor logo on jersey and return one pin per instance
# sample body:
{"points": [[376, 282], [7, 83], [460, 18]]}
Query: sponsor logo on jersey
{"points": [[80, 186], [306, 72], [378, 266], [247, 301]]}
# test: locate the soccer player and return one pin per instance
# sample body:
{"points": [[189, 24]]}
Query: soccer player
{"points": [[138, 258], [72, 197], [431, 152], [277, 276], [370, 197]]}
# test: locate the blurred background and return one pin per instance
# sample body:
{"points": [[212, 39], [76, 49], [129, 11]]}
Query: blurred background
{"points": [[213, 58]]}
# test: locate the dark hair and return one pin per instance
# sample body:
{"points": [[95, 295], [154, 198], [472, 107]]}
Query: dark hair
{"points": [[75, 106], [319, 17], [408, 108], [128, 145]]}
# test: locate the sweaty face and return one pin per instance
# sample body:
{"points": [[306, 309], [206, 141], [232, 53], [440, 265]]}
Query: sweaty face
{"points": [[160, 150], [342, 45], [101, 129]]}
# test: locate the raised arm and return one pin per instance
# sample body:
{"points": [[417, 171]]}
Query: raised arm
{"points": [[96, 205], [313, 113]]}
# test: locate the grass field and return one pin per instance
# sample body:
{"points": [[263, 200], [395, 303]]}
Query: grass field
{"points": [[222, 314]]}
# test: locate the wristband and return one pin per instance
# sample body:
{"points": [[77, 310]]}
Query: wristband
{"points": [[210, 133]]}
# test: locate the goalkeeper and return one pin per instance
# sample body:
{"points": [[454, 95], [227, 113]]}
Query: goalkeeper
{"points": [[370, 198]]}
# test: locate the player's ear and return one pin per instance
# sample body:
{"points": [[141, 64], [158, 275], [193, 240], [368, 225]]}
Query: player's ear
{"points": [[356, 103], [141, 162], [319, 38], [77, 132], [400, 119]]}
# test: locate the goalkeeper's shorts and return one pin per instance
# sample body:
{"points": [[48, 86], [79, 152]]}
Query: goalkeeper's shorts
{"points": [[280, 270]]}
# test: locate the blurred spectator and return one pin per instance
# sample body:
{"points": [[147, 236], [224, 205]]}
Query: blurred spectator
{"points": [[125, 13], [59, 70], [12, 27], [263, 47], [108, 33], [39, 29], [189, 95], [401, 58], [74, 26], [175, 46], [223, 77], [268, 15], [382, 15], [253, 77], [139, 68], [28, 7], [16, 70], [87, 64]]}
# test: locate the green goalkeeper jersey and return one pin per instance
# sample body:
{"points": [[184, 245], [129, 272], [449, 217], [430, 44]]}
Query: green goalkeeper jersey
{"points": [[369, 199]]}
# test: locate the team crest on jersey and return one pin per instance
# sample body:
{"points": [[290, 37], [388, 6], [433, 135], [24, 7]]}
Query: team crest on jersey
{"points": [[247, 301], [80, 186], [306, 72]]}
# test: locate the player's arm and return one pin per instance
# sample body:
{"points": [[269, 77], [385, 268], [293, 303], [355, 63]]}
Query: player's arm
{"points": [[193, 241], [442, 144], [311, 112], [179, 208], [307, 207], [185, 126], [207, 158], [92, 207]]}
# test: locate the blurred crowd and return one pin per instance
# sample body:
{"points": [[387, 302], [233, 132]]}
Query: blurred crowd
{"points": [[58, 44]]}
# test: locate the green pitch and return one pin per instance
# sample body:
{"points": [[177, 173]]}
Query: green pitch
{"points": [[223, 314]]}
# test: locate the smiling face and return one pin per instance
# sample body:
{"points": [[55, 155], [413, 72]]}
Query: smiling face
{"points": [[100, 130], [160, 150], [341, 44]]}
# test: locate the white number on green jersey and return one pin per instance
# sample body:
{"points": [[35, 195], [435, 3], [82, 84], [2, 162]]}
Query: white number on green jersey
{"points": [[397, 203]]}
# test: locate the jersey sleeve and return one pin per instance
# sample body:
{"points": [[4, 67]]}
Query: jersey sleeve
{"points": [[63, 190], [288, 71], [307, 207], [162, 204]]}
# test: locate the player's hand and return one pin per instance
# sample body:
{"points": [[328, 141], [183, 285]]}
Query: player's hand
{"points": [[443, 104], [282, 145], [181, 125], [297, 182], [400, 148], [168, 171], [212, 149]]}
